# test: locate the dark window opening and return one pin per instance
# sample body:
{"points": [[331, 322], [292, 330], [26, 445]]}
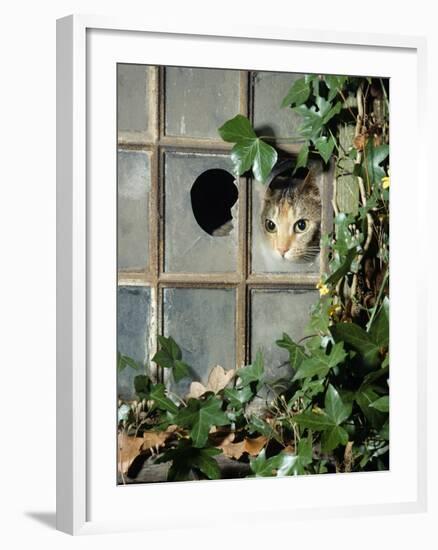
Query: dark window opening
{"points": [[213, 195]]}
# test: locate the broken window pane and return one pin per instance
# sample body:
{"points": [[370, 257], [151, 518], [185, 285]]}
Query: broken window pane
{"points": [[269, 91], [133, 88], [134, 180], [188, 247], [272, 313], [133, 333], [202, 322], [199, 101]]}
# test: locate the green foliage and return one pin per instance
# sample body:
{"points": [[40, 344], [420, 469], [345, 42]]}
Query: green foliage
{"points": [[320, 363], [161, 401], [249, 150], [252, 373], [332, 414], [372, 171], [199, 416], [296, 353], [298, 93], [124, 361], [189, 460], [169, 357], [329, 420]]}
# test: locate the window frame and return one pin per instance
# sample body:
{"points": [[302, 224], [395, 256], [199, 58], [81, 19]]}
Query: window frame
{"points": [[242, 280]]}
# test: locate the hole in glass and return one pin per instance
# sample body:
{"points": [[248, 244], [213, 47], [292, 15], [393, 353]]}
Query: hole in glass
{"points": [[213, 195]]}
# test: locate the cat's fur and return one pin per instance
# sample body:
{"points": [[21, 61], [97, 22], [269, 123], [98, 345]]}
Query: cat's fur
{"points": [[286, 202]]}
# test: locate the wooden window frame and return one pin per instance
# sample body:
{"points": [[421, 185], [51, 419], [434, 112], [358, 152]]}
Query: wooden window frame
{"points": [[242, 280]]}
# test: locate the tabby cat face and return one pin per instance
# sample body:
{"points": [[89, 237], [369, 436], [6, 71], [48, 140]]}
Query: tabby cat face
{"points": [[291, 218]]}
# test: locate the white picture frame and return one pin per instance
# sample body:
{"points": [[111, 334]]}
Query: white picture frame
{"points": [[87, 500]]}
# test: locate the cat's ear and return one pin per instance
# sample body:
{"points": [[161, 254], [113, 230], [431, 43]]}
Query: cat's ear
{"points": [[264, 192], [309, 183]]}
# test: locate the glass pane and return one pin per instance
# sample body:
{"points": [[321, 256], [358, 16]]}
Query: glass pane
{"points": [[265, 257], [188, 248], [202, 322], [134, 181], [272, 313], [133, 312], [133, 86], [269, 91], [199, 101]]}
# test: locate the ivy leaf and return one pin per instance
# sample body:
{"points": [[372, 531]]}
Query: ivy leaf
{"points": [[331, 112], [254, 153], [379, 330], [206, 464], [200, 416], [302, 157], [334, 437], [278, 465], [238, 397], [163, 359], [249, 150], [335, 407], [334, 84], [364, 397], [316, 116], [170, 346], [358, 339], [180, 370], [161, 401], [320, 363], [381, 404], [298, 94], [315, 421], [124, 361], [186, 458], [256, 424], [142, 386], [296, 352], [237, 129], [344, 269], [325, 147], [329, 420], [169, 357], [252, 373], [384, 432], [373, 158]]}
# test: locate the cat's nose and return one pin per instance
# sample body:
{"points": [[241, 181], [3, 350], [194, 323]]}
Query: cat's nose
{"points": [[282, 250]]}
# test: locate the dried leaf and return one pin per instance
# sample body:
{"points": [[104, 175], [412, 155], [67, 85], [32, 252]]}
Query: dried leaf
{"points": [[254, 446], [129, 448], [359, 142], [218, 379], [247, 445], [196, 390], [153, 440]]}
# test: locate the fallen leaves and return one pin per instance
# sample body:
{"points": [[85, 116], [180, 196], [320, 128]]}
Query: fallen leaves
{"points": [[252, 446], [218, 379], [130, 446]]}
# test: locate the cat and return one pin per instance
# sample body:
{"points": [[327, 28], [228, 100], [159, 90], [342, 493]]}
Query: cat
{"points": [[290, 221]]}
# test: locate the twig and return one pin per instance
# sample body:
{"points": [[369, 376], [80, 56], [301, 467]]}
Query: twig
{"points": [[345, 101], [376, 307], [363, 196], [384, 93]]}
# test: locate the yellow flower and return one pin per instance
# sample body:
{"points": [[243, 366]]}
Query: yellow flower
{"points": [[385, 182], [334, 310], [323, 288]]}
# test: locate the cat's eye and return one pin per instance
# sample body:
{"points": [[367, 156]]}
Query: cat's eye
{"points": [[301, 226], [270, 226]]}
